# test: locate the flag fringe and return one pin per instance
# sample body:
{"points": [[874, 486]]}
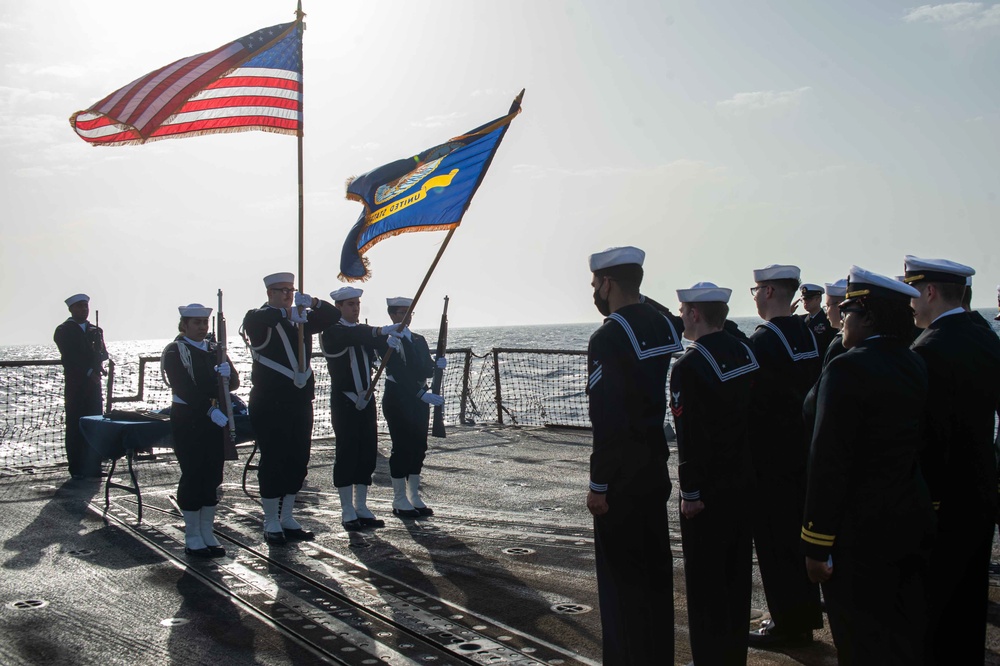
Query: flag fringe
{"points": [[364, 278], [184, 135], [406, 230]]}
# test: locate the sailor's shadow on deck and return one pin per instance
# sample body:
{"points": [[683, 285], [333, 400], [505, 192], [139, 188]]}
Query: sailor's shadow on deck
{"points": [[67, 522]]}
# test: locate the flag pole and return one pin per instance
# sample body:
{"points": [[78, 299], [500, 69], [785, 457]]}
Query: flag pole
{"points": [[515, 105], [299, 15]]}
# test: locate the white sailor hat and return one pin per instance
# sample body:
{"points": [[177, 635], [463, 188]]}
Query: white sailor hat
{"points": [[776, 272], [76, 298], [810, 289], [194, 310], [398, 302], [616, 256], [704, 292], [968, 281], [346, 293], [935, 270], [837, 289], [275, 278], [865, 284]]}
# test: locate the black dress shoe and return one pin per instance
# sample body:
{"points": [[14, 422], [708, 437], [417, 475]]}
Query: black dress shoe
{"points": [[275, 538], [298, 534], [198, 552], [216, 551], [352, 525], [371, 522], [424, 510], [406, 513], [770, 637]]}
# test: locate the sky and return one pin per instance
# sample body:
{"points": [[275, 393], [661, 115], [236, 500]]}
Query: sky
{"points": [[718, 136]]}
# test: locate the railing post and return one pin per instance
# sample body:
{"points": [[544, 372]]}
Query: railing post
{"points": [[465, 386], [496, 379]]}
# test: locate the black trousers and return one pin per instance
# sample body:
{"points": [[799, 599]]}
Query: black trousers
{"points": [[958, 584], [407, 417], [876, 609], [83, 398], [198, 446], [718, 552], [777, 526], [356, 435], [284, 437], [635, 581]]}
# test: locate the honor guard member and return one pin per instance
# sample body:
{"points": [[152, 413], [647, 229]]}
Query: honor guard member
{"points": [[963, 364], [82, 352], [789, 366], [188, 364], [350, 349], [868, 521], [835, 293], [710, 400], [815, 317], [628, 358], [406, 406], [281, 410]]}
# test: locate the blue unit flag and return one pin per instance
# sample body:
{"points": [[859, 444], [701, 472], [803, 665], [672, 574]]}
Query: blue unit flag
{"points": [[427, 192]]}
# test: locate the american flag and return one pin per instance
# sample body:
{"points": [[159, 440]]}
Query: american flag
{"points": [[253, 83]]}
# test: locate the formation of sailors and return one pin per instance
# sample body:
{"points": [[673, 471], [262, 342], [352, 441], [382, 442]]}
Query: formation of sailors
{"points": [[872, 466]]}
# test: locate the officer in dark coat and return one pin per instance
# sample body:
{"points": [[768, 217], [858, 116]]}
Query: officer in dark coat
{"points": [[710, 400], [406, 405], [82, 352], [281, 410], [963, 363], [197, 424], [868, 521], [350, 349], [789, 366], [815, 317], [628, 358]]}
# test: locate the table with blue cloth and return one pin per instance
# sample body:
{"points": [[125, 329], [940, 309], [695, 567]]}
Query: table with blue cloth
{"points": [[114, 438]]}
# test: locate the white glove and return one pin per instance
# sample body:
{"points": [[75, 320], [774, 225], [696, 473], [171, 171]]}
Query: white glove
{"points": [[394, 343], [295, 317], [224, 370], [361, 403], [391, 330], [303, 300], [432, 399], [442, 363], [218, 417]]}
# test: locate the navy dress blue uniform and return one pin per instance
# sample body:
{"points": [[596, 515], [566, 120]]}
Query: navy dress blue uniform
{"points": [[628, 360], [407, 415], [198, 442], [866, 503], [81, 351], [350, 351], [821, 329], [281, 412], [710, 401], [789, 366], [963, 362]]}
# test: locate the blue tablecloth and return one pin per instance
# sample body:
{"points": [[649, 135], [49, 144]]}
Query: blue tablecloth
{"points": [[112, 439]]}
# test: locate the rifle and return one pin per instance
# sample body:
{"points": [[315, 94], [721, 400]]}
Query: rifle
{"points": [[225, 402], [111, 365], [437, 429]]}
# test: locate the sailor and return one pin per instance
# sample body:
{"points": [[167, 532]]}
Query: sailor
{"points": [[997, 318], [350, 349], [406, 406], [789, 366], [189, 366], [710, 401], [835, 293], [963, 363], [868, 521], [281, 410], [815, 317], [967, 306], [82, 352], [628, 358]]}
